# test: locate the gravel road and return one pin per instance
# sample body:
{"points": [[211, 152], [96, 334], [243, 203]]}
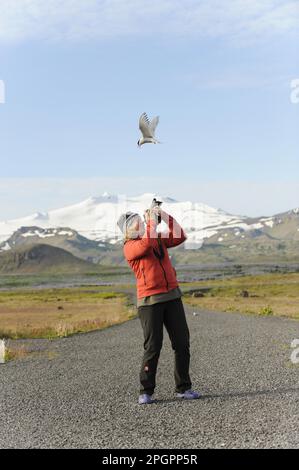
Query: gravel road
{"points": [[82, 391]]}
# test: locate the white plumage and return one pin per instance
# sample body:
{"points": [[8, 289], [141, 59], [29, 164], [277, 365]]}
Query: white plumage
{"points": [[147, 129]]}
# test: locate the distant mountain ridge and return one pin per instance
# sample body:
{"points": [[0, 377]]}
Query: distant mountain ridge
{"points": [[88, 229]]}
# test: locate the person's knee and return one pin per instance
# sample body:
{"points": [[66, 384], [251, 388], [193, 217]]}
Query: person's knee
{"points": [[154, 348]]}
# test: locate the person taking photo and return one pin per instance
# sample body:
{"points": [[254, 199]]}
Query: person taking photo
{"points": [[158, 297]]}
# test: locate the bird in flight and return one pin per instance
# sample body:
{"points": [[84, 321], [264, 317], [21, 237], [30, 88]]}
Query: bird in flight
{"points": [[147, 129]]}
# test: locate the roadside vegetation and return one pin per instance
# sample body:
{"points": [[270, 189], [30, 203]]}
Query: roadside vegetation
{"points": [[28, 313], [266, 294], [52, 313]]}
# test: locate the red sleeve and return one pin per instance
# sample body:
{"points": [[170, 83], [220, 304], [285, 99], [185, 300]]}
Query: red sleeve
{"points": [[134, 249], [175, 235]]}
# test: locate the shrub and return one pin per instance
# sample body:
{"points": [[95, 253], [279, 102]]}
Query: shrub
{"points": [[266, 310]]}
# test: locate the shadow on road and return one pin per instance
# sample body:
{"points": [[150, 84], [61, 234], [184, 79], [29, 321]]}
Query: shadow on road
{"points": [[233, 395]]}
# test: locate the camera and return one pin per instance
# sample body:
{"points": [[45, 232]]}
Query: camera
{"points": [[156, 203]]}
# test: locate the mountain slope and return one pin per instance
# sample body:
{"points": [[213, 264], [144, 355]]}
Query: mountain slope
{"points": [[42, 258], [94, 235], [62, 237]]}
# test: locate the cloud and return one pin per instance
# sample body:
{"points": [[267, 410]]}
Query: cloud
{"points": [[77, 20]]}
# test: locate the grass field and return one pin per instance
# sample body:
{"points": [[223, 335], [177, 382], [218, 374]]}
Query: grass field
{"points": [[268, 294], [30, 312], [50, 313]]}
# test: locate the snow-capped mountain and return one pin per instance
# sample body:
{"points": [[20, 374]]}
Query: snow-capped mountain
{"points": [[95, 218]]}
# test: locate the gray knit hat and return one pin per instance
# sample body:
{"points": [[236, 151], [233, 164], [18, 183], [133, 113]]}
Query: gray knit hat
{"points": [[125, 219]]}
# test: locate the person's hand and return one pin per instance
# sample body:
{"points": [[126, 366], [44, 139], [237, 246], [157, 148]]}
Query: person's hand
{"points": [[152, 214]]}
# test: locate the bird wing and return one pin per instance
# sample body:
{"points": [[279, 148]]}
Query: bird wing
{"points": [[154, 123], [145, 126]]}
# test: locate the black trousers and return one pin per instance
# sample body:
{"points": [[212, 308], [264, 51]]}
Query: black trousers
{"points": [[171, 314]]}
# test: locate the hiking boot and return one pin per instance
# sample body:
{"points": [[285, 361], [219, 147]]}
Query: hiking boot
{"points": [[145, 399], [188, 395]]}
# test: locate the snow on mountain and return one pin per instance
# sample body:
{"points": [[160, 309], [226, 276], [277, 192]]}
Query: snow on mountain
{"points": [[95, 218]]}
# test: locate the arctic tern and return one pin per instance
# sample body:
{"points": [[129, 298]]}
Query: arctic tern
{"points": [[147, 129]]}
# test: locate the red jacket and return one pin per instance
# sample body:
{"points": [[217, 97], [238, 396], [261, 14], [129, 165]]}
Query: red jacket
{"points": [[154, 275]]}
